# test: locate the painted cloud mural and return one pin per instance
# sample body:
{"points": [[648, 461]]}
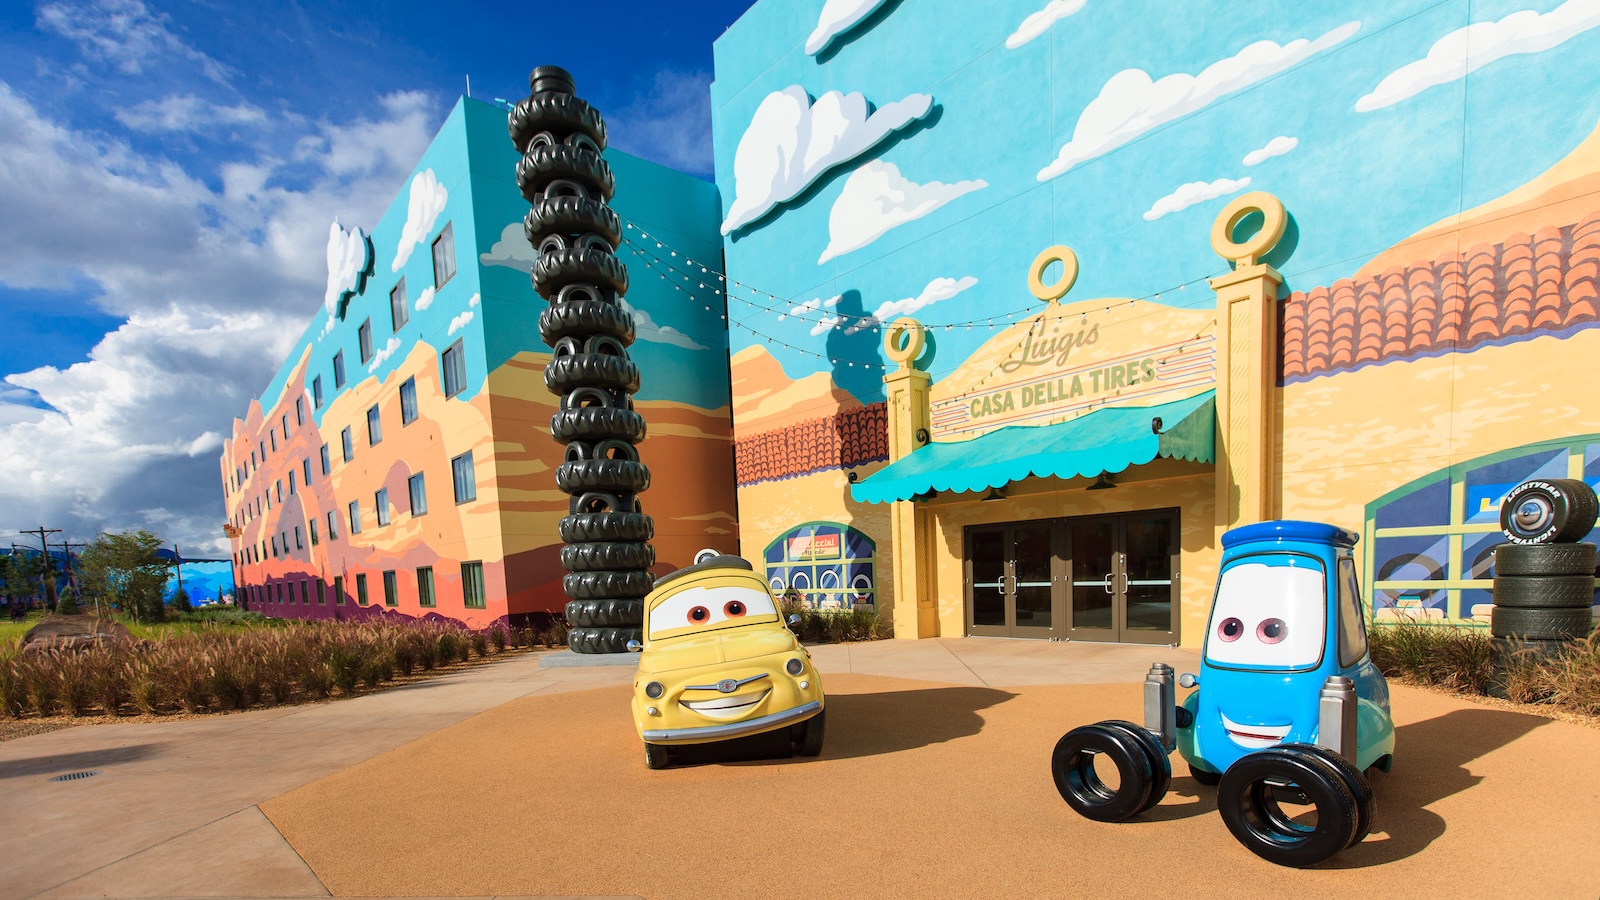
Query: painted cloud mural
{"points": [[1467, 49], [512, 250], [349, 261], [937, 290], [427, 201], [1192, 193], [647, 329], [839, 16], [877, 198], [1040, 22], [791, 142], [1278, 146], [1131, 103]]}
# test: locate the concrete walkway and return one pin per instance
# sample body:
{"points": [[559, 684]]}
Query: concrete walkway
{"points": [[173, 810]]}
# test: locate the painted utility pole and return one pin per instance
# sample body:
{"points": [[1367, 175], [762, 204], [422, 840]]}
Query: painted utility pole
{"points": [[48, 565]]}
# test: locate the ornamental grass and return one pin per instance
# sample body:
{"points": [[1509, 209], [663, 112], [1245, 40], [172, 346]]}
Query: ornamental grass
{"points": [[1461, 659], [211, 668]]}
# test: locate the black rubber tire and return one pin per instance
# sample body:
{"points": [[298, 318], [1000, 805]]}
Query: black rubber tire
{"points": [[1360, 789], [601, 370], [597, 423], [1160, 762], [657, 756], [1203, 776], [568, 216], [599, 556], [580, 318], [607, 585], [1544, 592], [620, 475], [601, 640], [553, 112], [592, 527], [1548, 511], [1544, 559], [812, 731], [578, 265], [605, 613], [1504, 649], [1540, 624], [1245, 800], [1072, 766], [542, 164]]}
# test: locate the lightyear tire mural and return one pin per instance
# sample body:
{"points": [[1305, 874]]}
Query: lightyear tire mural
{"points": [[567, 183], [1548, 511]]}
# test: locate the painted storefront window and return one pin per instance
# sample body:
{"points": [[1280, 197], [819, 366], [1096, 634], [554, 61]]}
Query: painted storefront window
{"points": [[1433, 540], [823, 565]]}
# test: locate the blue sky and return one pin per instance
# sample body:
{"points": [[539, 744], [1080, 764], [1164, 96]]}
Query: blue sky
{"points": [[169, 169]]}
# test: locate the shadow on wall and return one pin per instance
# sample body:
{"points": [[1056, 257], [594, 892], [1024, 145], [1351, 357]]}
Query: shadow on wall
{"points": [[867, 725]]}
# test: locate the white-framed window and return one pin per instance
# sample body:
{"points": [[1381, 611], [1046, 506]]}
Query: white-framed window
{"points": [[463, 477]]}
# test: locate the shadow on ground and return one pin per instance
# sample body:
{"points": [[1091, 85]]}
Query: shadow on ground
{"points": [[867, 725], [75, 762]]}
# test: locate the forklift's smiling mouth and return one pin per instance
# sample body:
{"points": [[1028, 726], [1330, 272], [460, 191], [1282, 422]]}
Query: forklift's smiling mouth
{"points": [[1256, 737]]}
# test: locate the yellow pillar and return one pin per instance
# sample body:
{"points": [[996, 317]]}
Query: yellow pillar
{"points": [[1247, 362], [911, 530]]}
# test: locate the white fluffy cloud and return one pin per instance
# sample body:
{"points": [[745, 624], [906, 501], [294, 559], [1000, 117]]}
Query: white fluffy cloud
{"points": [[1131, 103], [427, 201], [838, 16], [512, 250], [349, 260], [647, 329], [1278, 146], [1040, 22], [130, 434], [1194, 192], [937, 290], [1471, 48], [877, 198], [815, 304], [473, 300], [389, 349], [460, 322], [425, 299], [124, 32], [791, 142], [186, 113]]}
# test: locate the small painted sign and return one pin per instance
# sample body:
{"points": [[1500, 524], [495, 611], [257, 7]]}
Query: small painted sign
{"points": [[814, 546]]}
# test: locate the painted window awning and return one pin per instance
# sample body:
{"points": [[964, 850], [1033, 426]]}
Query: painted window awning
{"points": [[1106, 440]]}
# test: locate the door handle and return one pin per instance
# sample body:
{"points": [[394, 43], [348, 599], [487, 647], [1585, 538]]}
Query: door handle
{"points": [[1106, 583]]}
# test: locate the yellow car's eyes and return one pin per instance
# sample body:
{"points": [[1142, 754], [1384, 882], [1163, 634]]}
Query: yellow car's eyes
{"points": [[709, 606]]}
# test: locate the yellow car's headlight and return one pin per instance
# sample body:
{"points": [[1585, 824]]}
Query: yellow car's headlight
{"points": [[794, 666], [654, 690]]}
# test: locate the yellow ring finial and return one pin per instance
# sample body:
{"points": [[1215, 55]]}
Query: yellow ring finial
{"points": [[1050, 293], [1248, 252], [908, 331]]}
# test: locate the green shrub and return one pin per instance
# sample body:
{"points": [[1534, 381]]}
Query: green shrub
{"points": [[1454, 658]]}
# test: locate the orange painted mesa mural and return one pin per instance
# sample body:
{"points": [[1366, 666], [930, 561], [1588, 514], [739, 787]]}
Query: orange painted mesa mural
{"points": [[319, 562]]}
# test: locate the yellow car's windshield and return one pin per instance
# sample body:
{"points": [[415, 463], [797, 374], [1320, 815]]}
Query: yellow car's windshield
{"points": [[708, 607]]}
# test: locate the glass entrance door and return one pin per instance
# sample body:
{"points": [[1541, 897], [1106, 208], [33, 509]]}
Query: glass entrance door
{"points": [[1013, 580], [1124, 577]]}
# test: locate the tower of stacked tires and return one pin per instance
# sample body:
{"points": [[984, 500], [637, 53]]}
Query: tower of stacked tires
{"points": [[567, 184], [1544, 578]]}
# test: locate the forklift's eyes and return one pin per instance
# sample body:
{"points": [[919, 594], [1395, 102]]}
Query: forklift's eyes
{"points": [[1230, 629], [1271, 631]]}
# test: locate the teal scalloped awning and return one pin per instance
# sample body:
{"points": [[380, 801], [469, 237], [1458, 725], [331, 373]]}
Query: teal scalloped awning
{"points": [[1106, 440]]}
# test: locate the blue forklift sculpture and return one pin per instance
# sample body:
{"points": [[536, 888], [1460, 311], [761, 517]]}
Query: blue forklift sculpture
{"points": [[1289, 711]]}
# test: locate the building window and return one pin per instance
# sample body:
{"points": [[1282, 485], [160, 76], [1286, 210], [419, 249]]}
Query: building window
{"points": [[444, 256], [355, 516], [291, 483], [349, 444], [391, 589], [465, 481], [269, 502], [327, 464], [333, 525], [313, 526], [305, 592], [280, 592], [418, 490], [361, 589], [322, 593], [263, 452], [364, 339], [279, 486], [274, 546], [374, 427], [299, 411], [297, 544], [305, 466], [455, 370], [316, 392], [425, 586], [338, 370], [408, 401], [338, 590], [472, 585], [823, 565], [381, 500], [285, 421], [397, 306], [273, 437]]}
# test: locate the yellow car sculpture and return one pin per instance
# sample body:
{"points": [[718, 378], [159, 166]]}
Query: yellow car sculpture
{"points": [[718, 662]]}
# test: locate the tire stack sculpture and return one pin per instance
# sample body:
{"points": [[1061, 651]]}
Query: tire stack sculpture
{"points": [[563, 177], [1544, 578]]}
